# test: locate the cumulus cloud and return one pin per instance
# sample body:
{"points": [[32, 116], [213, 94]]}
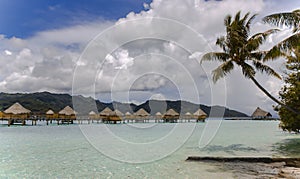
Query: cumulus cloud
{"points": [[155, 51], [7, 52]]}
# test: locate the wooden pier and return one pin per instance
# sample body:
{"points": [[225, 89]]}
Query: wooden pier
{"points": [[17, 114]]}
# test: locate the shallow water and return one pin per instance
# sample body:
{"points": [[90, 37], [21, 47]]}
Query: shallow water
{"points": [[86, 151]]}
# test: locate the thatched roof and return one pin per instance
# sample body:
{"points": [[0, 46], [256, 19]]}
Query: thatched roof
{"points": [[141, 112], [92, 113], [199, 112], [50, 112], [17, 108], [105, 112], [158, 114], [67, 111], [188, 114], [116, 113], [261, 113], [127, 114], [171, 112]]}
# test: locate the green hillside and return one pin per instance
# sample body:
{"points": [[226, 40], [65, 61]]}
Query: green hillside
{"points": [[40, 102]]}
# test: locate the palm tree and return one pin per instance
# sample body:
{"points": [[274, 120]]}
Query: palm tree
{"points": [[239, 48], [289, 19]]}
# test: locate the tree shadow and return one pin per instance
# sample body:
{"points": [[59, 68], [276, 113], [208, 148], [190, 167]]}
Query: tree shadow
{"points": [[288, 147], [230, 149]]}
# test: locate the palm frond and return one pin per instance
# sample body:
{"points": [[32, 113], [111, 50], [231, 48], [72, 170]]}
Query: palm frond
{"points": [[215, 56], [237, 16], [258, 39], [221, 42], [265, 69], [284, 47], [257, 55], [222, 70], [290, 19], [227, 20], [273, 53], [248, 70], [250, 21], [244, 19]]}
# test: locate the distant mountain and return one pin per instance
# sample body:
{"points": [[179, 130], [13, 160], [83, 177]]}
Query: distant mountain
{"points": [[40, 102]]}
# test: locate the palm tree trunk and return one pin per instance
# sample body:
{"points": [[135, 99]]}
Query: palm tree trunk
{"points": [[273, 98]]}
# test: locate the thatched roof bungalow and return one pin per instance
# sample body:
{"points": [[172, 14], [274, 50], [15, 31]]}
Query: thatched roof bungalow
{"points": [[141, 115], [199, 114], [171, 116], [51, 114], [128, 115], [93, 115], [67, 113], [187, 115], [16, 111], [158, 115], [115, 115], [260, 114], [104, 114], [1, 115]]}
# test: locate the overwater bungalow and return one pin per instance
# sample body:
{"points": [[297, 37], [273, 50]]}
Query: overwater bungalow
{"points": [[200, 115], [141, 115], [104, 114], [16, 113], [92, 115], [128, 115], [1, 115], [67, 115], [260, 114], [171, 116], [114, 117], [187, 115], [50, 115], [158, 117]]}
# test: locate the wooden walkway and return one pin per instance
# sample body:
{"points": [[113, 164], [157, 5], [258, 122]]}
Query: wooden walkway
{"points": [[59, 121]]}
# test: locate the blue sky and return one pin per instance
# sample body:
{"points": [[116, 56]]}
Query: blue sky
{"points": [[23, 18]]}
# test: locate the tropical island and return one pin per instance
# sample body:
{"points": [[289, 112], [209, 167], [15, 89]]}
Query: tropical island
{"points": [[63, 60]]}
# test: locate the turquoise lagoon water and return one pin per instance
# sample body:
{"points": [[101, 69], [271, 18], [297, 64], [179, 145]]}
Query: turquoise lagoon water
{"points": [[73, 151]]}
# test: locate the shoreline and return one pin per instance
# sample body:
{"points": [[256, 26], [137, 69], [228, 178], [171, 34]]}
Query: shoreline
{"points": [[255, 167]]}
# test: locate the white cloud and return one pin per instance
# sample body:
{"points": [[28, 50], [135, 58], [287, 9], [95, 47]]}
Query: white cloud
{"points": [[7, 52], [47, 60]]}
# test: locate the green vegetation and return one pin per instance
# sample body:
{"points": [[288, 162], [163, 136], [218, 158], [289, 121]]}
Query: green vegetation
{"points": [[290, 48], [290, 94]]}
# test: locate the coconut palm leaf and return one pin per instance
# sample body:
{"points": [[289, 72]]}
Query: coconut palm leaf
{"points": [[222, 70], [215, 56], [290, 19], [264, 68], [283, 48], [258, 39], [247, 70]]}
